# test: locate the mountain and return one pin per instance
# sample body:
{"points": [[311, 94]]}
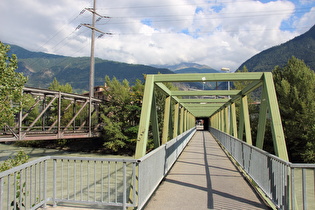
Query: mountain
{"points": [[42, 68], [184, 68], [195, 70], [302, 47]]}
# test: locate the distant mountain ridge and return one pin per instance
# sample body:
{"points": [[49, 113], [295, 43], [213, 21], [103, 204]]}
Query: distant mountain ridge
{"points": [[183, 68], [42, 68], [24, 54], [302, 47]]}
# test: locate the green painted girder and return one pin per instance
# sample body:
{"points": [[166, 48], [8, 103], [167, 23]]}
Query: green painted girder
{"points": [[202, 105], [249, 88], [205, 93], [276, 127], [163, 87], [210, 77], [143, 130], [202, 100], [202, 113], [167, 120]]}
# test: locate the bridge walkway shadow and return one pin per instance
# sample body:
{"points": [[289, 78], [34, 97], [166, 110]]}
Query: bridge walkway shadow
{"points": [[204, 178]]}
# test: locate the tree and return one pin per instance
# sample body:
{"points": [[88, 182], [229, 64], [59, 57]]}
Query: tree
{"points": [[121, 115], [295, 86], [13, 161], [11, 85], [55, 85]]}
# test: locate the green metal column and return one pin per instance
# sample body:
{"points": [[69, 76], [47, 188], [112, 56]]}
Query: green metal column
{"points": [[248, 133], [185, 120], [276, 127], [166, 123], [176, 119], [222, 120], [262, 118], [245, 121], [193, 121], [217, 120], [142, 138], [181, 123], [155, 123], [227, 123], [233, 121]]}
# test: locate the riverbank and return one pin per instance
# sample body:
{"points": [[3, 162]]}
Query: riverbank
{"points": [[78, 149]]}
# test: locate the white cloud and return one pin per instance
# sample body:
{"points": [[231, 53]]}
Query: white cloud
{"points": [[305, 21], [219, 33]]}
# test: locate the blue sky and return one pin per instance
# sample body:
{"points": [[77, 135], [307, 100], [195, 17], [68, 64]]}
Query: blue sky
{"points": [[217, 33]]}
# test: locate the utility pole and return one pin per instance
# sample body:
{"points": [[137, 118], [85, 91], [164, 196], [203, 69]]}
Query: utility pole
{"points": [[92, 62], [92, 59]]}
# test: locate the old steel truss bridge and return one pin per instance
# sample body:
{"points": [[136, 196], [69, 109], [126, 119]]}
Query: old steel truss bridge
{"points": [[51, 115]]}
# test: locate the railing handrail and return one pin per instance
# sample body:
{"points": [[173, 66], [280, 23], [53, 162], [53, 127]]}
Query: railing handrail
{"points": [[23, 166], [302, 165], [41, 159], [96, 159]]}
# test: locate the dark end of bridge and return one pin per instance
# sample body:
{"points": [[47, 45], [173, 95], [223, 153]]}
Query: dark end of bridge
{"points": [[203, 123]]}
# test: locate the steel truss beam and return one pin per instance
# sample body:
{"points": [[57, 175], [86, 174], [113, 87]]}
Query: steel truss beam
{"points": [[59, 116], [217, 105]]}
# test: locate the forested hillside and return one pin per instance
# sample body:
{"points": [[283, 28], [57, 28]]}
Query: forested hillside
{"points": [[301, 47], [42, 68]]}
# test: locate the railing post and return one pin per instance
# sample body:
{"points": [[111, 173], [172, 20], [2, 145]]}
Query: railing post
{"points": [[124, 186], [292, 189], [304, 193], [54, 182], [45, 183], [1, 193]]}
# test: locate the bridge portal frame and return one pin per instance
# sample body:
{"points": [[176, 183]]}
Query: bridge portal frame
{"points": [[220, 111]]}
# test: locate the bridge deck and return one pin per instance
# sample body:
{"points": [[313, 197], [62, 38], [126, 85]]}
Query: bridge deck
{"points": [[204, 178]]}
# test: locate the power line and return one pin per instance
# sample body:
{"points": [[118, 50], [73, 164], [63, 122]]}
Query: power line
{"points": [[171, 18], [215, 2], [217, 31]]}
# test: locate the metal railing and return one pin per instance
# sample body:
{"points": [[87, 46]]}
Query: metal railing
{"points": [[287, 185], [302, 183], [91, 181], [95, 182], [24, 187], [155, 165]]}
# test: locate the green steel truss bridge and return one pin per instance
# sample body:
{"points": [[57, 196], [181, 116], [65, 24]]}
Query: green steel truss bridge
{"points": [[215, 111], [129, 183]]}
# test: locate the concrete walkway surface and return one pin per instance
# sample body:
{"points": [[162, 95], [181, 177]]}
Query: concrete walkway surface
{"points": [[204, 178]]}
